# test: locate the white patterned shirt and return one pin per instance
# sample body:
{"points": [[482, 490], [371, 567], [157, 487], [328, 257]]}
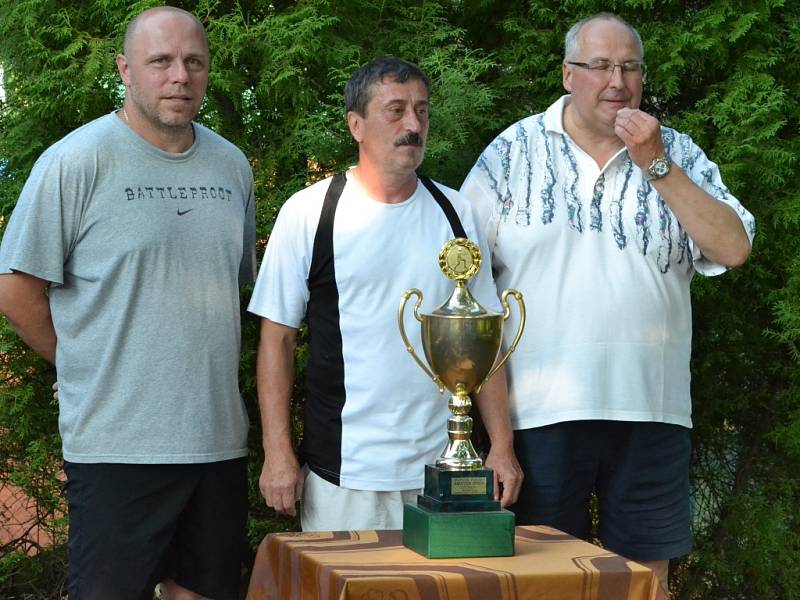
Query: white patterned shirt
{"points": [[604, 267]]}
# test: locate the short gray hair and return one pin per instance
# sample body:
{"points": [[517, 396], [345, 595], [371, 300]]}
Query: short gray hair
{"points": [[572, 40]]}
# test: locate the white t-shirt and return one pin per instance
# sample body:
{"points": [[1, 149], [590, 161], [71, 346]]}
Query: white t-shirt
{"points": [[605, 269], [390, 419]]}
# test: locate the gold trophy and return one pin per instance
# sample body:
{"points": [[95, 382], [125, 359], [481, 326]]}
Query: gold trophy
{"points": [[457, 515]]}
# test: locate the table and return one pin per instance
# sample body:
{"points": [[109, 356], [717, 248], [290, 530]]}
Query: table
{"points": [[374, 565]]}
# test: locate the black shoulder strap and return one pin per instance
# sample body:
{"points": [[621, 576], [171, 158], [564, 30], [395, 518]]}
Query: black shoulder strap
{"points": [[446, 206], [322, 253]]}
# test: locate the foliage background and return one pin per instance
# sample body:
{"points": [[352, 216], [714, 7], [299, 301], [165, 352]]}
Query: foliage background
{"points": [[724, 71]]}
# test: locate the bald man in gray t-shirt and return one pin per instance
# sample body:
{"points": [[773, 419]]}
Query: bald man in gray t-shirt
{"points": [[121, 265]]}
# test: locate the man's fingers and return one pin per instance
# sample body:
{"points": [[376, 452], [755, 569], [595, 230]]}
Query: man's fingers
{"points": [[641, 134], [281, 500], [281, 483], [622, 133], [288, 501], [630, 127], [636, 122], [510, 491]]}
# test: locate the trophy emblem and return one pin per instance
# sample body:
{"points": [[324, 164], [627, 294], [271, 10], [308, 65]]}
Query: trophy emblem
{"points": [[461, 341]]}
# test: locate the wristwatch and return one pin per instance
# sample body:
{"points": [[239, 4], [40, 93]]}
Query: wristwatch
{"points": [[658, 168]]}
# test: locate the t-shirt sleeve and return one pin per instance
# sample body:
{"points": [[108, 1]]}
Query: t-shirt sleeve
{"points": [[247, 268], [44, 224], [483, 193], [705, 173], [281, 291]]}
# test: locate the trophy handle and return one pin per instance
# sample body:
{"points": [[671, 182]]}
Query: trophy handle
{"points": [[406, 295], [507, 313]]}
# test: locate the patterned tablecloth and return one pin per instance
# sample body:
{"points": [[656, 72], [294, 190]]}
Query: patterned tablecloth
{"points": [[374, 565]]}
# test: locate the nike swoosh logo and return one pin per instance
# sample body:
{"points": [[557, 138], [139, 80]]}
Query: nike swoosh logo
{"points": [[183, 212]]}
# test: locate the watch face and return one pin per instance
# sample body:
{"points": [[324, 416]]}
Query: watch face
{"points": [[658, 168]]}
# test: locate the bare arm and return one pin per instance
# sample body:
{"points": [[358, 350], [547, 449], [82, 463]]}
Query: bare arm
{"points": [[492, 402], [25, 304], [713, 225], [281, 483]]}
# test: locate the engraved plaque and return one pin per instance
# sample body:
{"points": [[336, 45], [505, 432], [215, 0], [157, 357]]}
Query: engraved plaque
{"points": [[468, 486]]}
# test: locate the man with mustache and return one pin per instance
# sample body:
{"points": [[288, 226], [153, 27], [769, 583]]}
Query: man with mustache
{"points": [[340, 256], [600, 216], [121, 264]]}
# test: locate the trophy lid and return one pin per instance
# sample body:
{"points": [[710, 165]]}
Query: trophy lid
{"points": [[460, 260]]}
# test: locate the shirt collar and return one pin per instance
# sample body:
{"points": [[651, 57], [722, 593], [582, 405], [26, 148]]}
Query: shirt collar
{"points": [[554, 122], [554, 116]]}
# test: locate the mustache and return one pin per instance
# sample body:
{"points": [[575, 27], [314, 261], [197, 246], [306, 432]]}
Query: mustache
{"points": [[410, 139]]}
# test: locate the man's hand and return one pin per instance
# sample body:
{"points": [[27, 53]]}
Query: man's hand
{"points": [[493, 404], [507, 474], [641, 134], [281, 482], [713, 225]]}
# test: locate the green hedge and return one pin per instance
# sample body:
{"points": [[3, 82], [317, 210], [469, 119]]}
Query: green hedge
{"points": [[726, 72]]}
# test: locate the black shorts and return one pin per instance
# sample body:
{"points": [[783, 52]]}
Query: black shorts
{"points": [[132, 526], [639, 472]]}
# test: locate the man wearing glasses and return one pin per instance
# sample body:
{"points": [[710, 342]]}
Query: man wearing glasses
{"points": [[600, 216]]}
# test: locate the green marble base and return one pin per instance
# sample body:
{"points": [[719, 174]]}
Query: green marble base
{"points": [[458, 534]]}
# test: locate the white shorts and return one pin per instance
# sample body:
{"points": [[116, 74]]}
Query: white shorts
{"points": [[328, 507]]}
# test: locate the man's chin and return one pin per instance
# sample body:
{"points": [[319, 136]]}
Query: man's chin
{"points": [[176, 121], [416, 153], [408, 167]]}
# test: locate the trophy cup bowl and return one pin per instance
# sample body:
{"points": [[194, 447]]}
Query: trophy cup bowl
{"points": [[457, 515], [461, 351], [461, 341]]}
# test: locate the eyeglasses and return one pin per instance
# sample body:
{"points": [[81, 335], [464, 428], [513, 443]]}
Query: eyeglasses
{"points": [[632, 68]]}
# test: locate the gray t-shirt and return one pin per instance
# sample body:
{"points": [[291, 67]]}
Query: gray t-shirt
{"points": [[145, 251]]}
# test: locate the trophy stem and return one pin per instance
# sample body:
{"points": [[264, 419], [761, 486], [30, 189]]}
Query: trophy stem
{"points": [[459, 455]]}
